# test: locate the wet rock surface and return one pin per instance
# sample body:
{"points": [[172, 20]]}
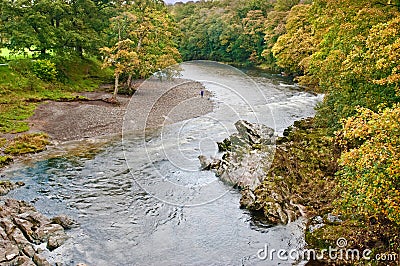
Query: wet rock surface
{"points": [[247, 155], [22, 227], [247, 158]]}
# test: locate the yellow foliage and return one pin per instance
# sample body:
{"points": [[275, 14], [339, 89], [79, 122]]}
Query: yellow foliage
{"points": [[293, 49], [145, 41], [370, 178]]}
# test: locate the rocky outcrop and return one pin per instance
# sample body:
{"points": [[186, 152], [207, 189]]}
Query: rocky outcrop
{"points": [[247, 155], [22, 227], [303, 167], [273, 199], [247, 158]]}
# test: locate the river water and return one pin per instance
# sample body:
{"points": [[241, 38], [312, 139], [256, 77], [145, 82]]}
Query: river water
{"points": [[142, 200]]}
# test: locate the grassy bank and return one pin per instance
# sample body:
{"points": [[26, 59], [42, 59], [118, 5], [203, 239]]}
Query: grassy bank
{"points": [[25, 83]]}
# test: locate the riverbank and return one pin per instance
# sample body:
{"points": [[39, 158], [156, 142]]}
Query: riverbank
{"points": [[94, 117], [88, 117], [302, 181]]}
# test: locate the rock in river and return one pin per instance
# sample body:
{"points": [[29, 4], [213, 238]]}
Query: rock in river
{"points": [[6, 186], [247, 155], [21, 228], [245, 163]]}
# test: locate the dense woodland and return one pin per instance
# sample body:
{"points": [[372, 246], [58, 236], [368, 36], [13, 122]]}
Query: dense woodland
{"points": [[347, 49]]}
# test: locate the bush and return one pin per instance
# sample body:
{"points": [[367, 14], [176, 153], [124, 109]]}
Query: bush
{"points": [[370, 177], [45, 70]]}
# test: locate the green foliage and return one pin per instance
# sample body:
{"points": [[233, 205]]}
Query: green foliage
{"points": [[27, 143], [347, 49], [228, 31], [5, 160], [61, 27], [370, 178], [293, 49], [377, 235], [305, 163], [285, 5], [45, 70], [21, 66]]}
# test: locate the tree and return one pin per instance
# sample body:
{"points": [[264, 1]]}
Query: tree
{"points": [[293, 49], [57, 25], [370, 178], [228, 31], [144, 41], [347, 62], [253, 29], [123, 57]]}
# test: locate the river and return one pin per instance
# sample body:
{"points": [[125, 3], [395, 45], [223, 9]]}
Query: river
{"points": [[142, 200]]}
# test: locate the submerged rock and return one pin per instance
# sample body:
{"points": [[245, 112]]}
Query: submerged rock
{"points": [[63, 220], [21, 228], [209, 163]]}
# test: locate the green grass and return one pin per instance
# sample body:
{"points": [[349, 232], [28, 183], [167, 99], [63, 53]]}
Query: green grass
{"points": [[21, 90]]}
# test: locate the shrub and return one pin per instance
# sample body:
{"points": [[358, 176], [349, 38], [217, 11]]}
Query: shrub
{"points": [[370, 175], [5, 160], [45, 70]]}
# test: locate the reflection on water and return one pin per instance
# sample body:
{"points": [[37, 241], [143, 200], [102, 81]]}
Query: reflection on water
{"points": [[145, 202]]}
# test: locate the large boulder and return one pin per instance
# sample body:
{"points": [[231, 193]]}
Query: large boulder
{"points": [[247, 155], [245, 163]]}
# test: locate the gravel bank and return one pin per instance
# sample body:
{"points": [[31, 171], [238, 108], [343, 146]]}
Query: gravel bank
{"points": [[64, 121]]}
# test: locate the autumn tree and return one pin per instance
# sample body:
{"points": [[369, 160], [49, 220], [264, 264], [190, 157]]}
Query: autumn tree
{"points": [[253, 30], [350, 58], [122, 57], [293, 49], [370, 175], [143, 41]]}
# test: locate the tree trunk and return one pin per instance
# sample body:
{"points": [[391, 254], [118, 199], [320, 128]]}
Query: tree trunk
{"points": [[116, 87], [79, 49], [129, 82]]}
